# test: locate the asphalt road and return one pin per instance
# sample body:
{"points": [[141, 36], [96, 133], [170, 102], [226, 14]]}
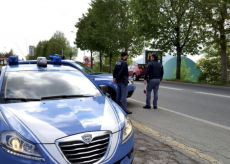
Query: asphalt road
{"points": [[195, 115]]}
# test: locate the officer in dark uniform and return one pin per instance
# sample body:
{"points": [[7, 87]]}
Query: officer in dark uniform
{"points": [[153, 76], [120, 76]]}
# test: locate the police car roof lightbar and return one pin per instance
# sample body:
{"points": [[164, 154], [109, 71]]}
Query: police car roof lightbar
{"points": [[13, 60], [56, 60], [41, 62], [52, 56]]}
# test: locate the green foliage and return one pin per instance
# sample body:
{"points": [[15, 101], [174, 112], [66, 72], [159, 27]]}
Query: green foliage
{"points": [[211, 64], [108, 28], [184, 72], [216, 26], [57, 38], [210, 70], [7, 54], [105, 62], [71, 52], [173, 25], [45, 48]]}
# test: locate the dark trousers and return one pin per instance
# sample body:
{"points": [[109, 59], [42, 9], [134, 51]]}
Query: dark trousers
{"points": [[153, 84], [122, 92]]}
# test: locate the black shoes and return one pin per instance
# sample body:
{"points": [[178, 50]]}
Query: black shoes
{"points": [[128, 112], [147, 107]]}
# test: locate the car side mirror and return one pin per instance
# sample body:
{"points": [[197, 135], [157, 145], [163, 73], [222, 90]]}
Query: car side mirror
{"points": [[104, 88]]}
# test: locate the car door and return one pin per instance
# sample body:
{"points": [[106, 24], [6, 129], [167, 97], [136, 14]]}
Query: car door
{"points": [[131, 70]]}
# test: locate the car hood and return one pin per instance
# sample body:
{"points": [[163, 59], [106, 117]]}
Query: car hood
{"points": [[47, 121]]}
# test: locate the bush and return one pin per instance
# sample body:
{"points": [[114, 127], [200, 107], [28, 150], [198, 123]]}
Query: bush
{"points": [[210, 70], [184, 72]]}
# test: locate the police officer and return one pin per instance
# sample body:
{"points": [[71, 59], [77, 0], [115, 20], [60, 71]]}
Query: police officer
{"points": [[153, 76], [120, 76]]}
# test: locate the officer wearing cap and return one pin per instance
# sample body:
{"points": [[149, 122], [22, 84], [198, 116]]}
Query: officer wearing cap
{"points": [[120, 76], [153, 76]]}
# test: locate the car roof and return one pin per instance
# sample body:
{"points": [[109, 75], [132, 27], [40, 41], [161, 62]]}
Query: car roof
{"points": [[34, 67]]}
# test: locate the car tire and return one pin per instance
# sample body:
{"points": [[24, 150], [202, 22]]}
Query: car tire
{"points": [[111, 94], [135, 78]]}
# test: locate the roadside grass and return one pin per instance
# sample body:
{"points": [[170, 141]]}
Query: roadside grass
{"points": [[195, 82]]}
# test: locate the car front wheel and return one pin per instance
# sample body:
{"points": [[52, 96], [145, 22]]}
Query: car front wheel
{"points": [[111, 94], [135, 78]]}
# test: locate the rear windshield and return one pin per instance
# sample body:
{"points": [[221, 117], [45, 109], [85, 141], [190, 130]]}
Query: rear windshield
{"points": [[142, 66], [38, 84]]}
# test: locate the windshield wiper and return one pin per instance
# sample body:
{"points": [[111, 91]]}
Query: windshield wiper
{"points": [[64, 96], [22, 99]]}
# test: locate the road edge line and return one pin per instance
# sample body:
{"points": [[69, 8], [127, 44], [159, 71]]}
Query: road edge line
{"points": [[170, 141]]}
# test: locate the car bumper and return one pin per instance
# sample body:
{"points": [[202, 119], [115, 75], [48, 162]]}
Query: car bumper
{"points": [[130, 93], [117, 157], [128, 159], [141, 76]]}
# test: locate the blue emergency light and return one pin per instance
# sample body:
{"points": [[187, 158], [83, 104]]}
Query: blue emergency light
{"points": [[56, 60], [52, 56], [13, 60]]}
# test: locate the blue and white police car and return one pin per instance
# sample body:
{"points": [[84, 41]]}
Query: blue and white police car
{"points": [[52, 113]]}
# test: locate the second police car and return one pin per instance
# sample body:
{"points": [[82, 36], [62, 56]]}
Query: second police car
{"points": [[100, 78], [52, 113]]}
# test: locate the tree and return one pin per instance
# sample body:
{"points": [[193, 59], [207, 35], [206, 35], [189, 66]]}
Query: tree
{"points": [[108, 28], [56, 43], [210, 65], [217, 26], [172, 25], [86, 39], [115, 28], [7, 54], [71, 52], [184, 71]]}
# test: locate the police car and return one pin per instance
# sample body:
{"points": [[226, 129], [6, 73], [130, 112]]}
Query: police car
{"points": [[100, 78], [52, 113]]}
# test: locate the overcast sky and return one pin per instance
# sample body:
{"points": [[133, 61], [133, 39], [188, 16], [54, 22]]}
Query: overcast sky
{"points": [[26, 22]]}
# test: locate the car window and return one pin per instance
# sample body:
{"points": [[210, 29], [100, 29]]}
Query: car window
{"points": [[85, 68], [38, 84]]}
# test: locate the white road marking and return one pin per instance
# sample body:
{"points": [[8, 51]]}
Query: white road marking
{"points": [[212, 94], [187, 116], [138, 83], [177, 89]]}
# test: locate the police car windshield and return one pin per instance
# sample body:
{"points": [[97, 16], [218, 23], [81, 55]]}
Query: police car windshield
{"points": [[26, 86], [86, 69]]}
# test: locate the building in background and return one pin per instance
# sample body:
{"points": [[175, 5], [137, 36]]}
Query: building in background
{"points": [[3, 60], [169, 63]]}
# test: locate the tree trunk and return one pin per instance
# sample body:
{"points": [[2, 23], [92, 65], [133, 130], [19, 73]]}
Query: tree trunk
{"points": [[110, 62], [126, 49], [100, 62], [91, 59], [178, 67], [223, 48]]}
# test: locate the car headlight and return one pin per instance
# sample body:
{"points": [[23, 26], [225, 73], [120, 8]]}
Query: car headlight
{"points": [[15, 144], [127, 130]]}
